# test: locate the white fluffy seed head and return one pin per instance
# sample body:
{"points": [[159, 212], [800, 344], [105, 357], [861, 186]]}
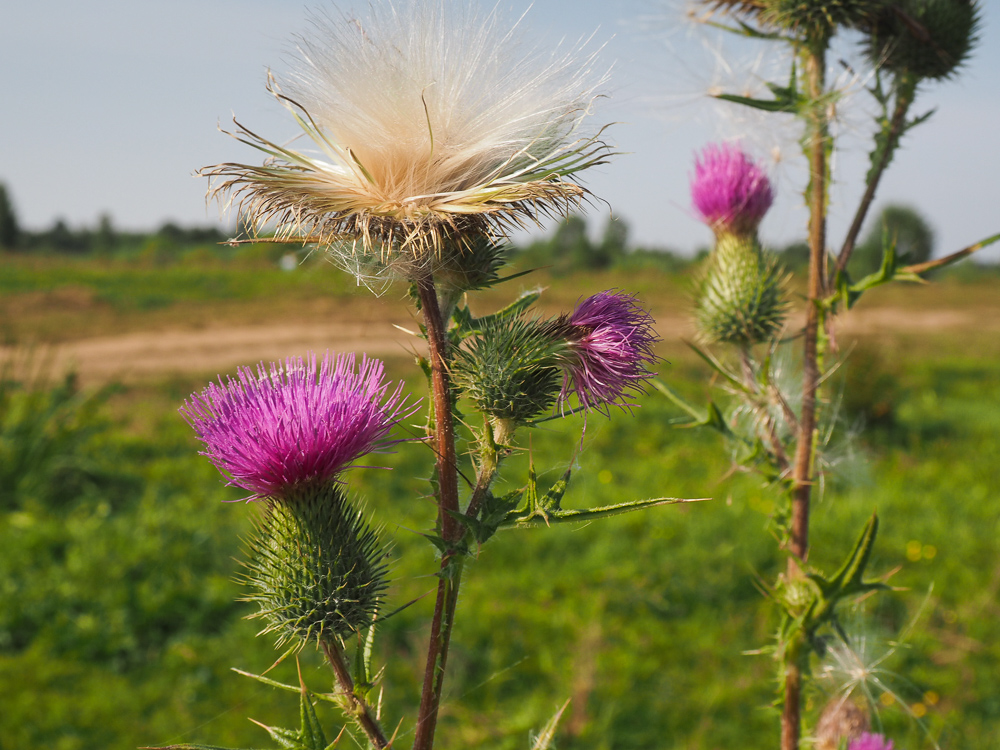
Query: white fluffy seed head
{"points": [[432, 97], [430, 123]]}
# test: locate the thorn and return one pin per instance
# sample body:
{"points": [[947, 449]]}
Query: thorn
{"points": [[302, 682]]}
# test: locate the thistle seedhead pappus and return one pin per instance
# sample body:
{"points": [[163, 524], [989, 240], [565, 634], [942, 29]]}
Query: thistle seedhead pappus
{"points": [[315, 567], [429, 124], [842, 720]]}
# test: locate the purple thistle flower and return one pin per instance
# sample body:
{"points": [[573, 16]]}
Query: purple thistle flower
{"points": [[610, 342], [729, 190], [869, 741], [277, 429]]}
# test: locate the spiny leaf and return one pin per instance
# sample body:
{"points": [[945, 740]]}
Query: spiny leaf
{"points": [[311, 734], [515, 520], [544, 739], [849, 578]]}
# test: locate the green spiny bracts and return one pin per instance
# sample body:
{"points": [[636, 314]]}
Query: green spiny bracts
{"points": [[924, 38], [474, 264], [316, 568], [820, 19], [740, 298], [748, 8], [511, 369]]}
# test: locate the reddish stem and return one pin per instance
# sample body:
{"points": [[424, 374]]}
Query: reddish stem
{"points": [[802, 471], [360, 709], [451, 530]]}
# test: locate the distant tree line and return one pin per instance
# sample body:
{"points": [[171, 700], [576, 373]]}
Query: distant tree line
{"points": [[570, 247], [104, 238]]}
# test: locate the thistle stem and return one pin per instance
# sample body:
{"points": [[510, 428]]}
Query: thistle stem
{"points": [[360, 711], [802, 470], [906, 88], [451, 531]]}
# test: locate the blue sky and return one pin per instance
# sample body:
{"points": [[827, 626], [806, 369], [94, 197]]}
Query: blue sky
{"points": [[110, 105]]}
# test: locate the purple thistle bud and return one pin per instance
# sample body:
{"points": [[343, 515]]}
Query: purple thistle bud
{"points": [[610, 342], [869, 741], [729, 190], [274, 430]]}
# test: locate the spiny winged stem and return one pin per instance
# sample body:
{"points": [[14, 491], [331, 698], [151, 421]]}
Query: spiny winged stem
{"points": [[359, 708], [906, 86], [767, 424], [816, 144], [450, 529]]}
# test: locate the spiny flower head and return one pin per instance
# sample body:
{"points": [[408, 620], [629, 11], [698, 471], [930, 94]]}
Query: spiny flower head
{"points": [[924, 38], [511, 369], [610, 341], [811, 19], [431, 124], [870, 741], [316, 567], [294, 423], [740, 297], [729, 190]]}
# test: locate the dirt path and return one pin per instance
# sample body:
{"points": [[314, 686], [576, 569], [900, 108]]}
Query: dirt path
{"points": [[157, 354]]}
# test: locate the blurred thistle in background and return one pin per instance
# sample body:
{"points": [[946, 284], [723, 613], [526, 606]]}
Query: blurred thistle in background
{"points": [[741, 295]]}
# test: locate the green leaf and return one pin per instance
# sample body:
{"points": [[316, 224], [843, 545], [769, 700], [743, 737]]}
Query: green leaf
{"points": [[712, 417], [848, 579], [328, 697], [768, 105], [535, 506], [544, 739], [520, 521], [311, 735], [786, 98], [494, 512], [514, 310], [439, 543]]}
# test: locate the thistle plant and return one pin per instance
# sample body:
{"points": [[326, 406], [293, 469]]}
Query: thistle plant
{"points": [[740, 302], [740, 298], [432, 131]]}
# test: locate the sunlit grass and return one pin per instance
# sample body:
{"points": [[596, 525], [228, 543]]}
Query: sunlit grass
{"points": [[124, 617]]}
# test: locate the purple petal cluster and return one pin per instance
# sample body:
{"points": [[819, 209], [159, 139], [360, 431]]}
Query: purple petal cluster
{"points": [[869, 741], [272, 430], [729, 190], [610, 343]]}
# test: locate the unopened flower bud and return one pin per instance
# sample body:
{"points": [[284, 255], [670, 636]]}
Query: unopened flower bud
{"points": [[924, 38], [510, 370], [316, 569], [818, 19], [741, 295]]}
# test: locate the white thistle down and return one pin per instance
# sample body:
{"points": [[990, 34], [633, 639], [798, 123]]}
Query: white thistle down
{"points": [[431, 125]]}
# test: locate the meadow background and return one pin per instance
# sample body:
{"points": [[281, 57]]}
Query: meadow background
{"points": [[118, 615]]}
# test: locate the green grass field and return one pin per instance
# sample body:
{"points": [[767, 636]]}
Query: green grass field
{"points": [[119, 624]]}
